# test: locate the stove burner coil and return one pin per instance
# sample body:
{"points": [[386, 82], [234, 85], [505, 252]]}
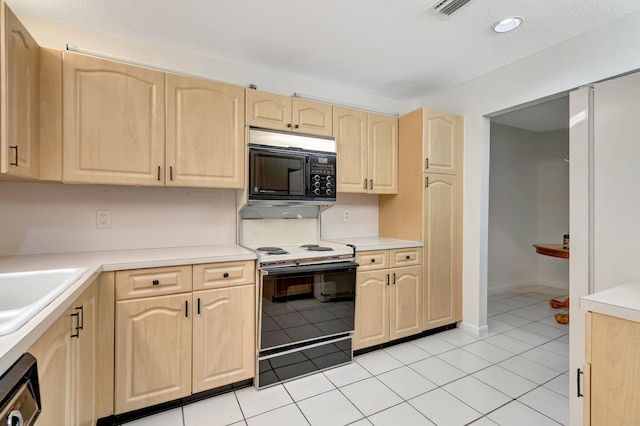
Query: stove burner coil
{"points": [[308, 246], [277, 252], [319, 248], [269, 249]]}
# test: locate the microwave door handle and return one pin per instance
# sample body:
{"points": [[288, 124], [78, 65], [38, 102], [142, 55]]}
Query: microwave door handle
{"points": [[307, 172]]}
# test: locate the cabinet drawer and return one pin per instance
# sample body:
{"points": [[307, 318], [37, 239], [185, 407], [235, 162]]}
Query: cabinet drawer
{"points": [[153, 282], [375, 259], [223, 274], [406, 257]]}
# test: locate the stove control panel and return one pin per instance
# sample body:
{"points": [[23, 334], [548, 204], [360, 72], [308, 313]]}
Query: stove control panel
{"points": [[322, 172]]}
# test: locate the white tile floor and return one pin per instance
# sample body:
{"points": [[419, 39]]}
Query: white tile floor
{"points": [[518, 374]]}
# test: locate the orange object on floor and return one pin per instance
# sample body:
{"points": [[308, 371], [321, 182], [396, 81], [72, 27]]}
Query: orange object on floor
{"points": [[562, 318], [556, 304]]}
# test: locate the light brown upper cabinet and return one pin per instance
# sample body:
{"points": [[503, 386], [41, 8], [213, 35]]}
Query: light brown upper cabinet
{"points": [[442, 149], [113, 122], [293, 114], [205, 133], [19, 99], [114, 127], [367, 151]]}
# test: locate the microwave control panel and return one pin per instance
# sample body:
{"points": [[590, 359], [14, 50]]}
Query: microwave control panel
{"points": [[322, 173]]}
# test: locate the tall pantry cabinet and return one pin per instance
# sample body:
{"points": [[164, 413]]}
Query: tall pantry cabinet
{"points": [[428, 207]]}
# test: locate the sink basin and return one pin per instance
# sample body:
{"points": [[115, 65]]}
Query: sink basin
{"points": [[24, 294]]}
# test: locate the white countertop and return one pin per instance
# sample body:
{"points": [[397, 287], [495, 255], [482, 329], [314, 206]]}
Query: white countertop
{"points": [[13, 345], [622, 301], [377, 243]]}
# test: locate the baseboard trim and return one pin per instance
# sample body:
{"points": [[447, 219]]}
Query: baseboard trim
{"points": [[481, 331], [404, 339]]}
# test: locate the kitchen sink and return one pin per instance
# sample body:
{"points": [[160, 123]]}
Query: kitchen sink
{"points": [[24, 294]]}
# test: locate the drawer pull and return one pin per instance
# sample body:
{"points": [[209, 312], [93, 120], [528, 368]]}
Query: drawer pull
{"points": [[156, 282], [226, 275], [408, 257], [373, 261]]}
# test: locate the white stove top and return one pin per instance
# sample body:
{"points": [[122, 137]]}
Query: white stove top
{"points": [[301, 255]]}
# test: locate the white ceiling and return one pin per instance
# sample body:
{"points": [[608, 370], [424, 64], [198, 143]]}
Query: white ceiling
{"points": [[541, 117], [385, 47]]}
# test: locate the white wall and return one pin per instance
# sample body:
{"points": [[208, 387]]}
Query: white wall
{"points": [[363, 217], [45, 218], [528, 203], [512, 207], [56, 36]]}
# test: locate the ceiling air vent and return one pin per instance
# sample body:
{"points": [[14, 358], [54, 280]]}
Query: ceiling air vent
{"points": [[448, 7]]}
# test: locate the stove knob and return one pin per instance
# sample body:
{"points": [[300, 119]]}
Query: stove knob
{"points": [[329, 185], [316, 178], [316, 191], [329, 178], [329, 192], [316, 184]]}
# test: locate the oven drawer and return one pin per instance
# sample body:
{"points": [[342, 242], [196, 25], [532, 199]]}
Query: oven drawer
{"points": [[406, 257], [147, 282], [223, 274], [373, 259]]}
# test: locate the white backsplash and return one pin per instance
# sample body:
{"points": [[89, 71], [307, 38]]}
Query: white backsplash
{"points": [[363, 217], [52, 217], [48, 218]]}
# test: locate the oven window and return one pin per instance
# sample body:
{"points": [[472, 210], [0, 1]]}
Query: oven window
{"points": [[303, 307], [277, 173]]}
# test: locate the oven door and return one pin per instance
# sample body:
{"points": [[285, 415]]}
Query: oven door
{"points": [[305, 303]]}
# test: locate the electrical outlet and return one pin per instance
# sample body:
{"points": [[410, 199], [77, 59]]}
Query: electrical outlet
{"points": [[103, 219], [347, 216]]}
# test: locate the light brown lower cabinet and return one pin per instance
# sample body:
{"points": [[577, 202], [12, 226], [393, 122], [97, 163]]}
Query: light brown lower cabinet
{"points": [[612, 371], [70, 367], [172, 345], [388, 298]]}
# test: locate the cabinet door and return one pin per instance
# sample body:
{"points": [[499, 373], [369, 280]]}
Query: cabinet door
{"points": [[442, 142], [205, 143], [85, 379], [615, 370], [442, 281], [313, 118], [113, 122], [153, 351], [383, 154], [20, 125], [223, 337], [268, 110], [53, 351], [350, 131], [372, 309], [405, 309]]}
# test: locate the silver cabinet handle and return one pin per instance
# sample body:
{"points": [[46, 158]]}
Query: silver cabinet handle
{"points": [[426, 163], [15, 418], [158, 173], [426, 182], [365, 184], [371, 186]]}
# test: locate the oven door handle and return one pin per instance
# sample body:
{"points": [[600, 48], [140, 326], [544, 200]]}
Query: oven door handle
{"points": [[319, 267]]}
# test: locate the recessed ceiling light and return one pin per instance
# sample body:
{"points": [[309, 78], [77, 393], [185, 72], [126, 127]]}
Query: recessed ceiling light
{"points": [[507, 25]]}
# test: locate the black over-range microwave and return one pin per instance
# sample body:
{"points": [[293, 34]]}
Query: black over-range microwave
{"points": [[289, 167]]}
